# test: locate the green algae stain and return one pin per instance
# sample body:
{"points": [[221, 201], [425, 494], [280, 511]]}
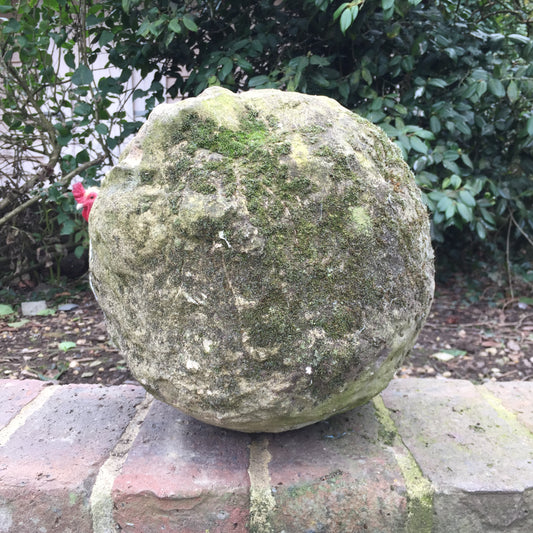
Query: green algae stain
{"points": [[360, 219], [419, 489], [314, 214]]}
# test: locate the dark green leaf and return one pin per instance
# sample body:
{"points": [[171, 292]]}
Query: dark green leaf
{"points": [[520, 39], [513, 92], [12, 26], [258, 81], [58, 38], [424, 134], [444, 203], [102, 129], [70, 60], [319, 60], [450, 210], [344, 89], [437, 195], [92, 20], [340, 10], [488, 217], [480, 229], [463, 127], [105, 38], [347, 17], [189, 23], [68, 227], [405, 141], [467, 198], [437, 82], [83, 108], [529, 126], [434, 124], [64, 140], [388, 13], [465, 212], [496, 87], [174, 25], [467, 161], [226, 67], [481, 87], [82, 76], [82, 157], [455, 181], [365, 74], [452, 166], [419, 145], [144, 28], [452, 53]]}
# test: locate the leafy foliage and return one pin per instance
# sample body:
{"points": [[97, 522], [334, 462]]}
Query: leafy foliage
{"points": [[62, 116], [450, 82]]}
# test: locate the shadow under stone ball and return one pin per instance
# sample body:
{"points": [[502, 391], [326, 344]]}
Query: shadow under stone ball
{"points": [[263, 259]]}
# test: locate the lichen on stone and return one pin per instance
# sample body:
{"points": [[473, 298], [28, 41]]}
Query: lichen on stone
{"points": [[279, 230]]}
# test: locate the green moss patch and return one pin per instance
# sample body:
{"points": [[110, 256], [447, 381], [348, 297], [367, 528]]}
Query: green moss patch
{"points": [[265, 226]]}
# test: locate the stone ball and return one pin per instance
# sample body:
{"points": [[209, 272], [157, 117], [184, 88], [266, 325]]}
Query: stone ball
{"points": [[263, 259]]}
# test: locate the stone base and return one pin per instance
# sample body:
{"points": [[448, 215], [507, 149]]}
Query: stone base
{"points": [[425, 456]]}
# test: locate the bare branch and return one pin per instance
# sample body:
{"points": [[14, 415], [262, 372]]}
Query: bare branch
{"points": [[64, 181]]}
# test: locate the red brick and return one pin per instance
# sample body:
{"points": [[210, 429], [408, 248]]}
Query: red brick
{"points": [[183, 476], [336, 476], [14, 395], [48, 466]]}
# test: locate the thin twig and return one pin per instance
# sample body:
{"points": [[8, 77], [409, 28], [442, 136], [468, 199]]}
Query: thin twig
{"points": [[508, 257], [62, 181], [526, 236]]}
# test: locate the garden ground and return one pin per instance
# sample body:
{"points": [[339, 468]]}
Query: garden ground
{"points": [[474, 332]]}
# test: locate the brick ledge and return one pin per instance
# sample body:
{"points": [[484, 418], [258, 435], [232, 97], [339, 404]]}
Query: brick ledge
{"points": [[427, 455]]}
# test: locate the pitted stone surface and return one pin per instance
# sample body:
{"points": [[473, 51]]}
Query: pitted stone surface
{"points": [[263, 259], [478, 457], [515, 396]]}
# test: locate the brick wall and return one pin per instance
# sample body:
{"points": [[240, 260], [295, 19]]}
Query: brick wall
{"points": [[425, 455]]}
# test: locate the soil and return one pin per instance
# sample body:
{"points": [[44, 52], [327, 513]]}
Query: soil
{"points": [[473, 332]]}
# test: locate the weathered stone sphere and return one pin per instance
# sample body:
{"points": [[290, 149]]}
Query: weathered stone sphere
{"points": [[263, 259]]}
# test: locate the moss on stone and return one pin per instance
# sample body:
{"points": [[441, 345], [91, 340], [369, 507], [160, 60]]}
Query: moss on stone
{"points": [[289, 250], [419, 489]]}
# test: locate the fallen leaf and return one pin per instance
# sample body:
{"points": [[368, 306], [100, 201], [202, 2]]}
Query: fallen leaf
{"points": [[494, 344], [47, 312], [6, 310], [442, 356], [67, 307], [66, 345], [18, 324], [513, 346], [448, 355]]}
